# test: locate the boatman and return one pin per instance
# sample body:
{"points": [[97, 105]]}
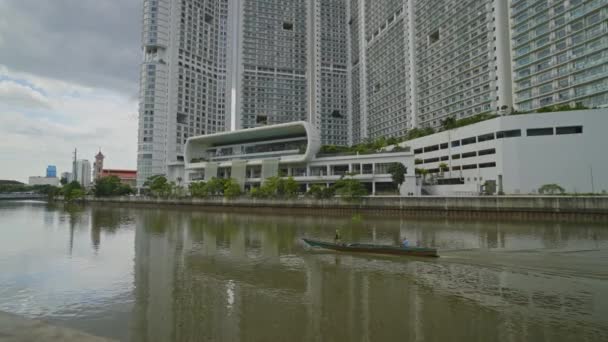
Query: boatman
{"points": [[405, 243]]}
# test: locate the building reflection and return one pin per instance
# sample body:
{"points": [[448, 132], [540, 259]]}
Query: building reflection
{"points": [[227, 277]]}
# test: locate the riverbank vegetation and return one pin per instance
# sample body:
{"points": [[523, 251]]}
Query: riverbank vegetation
{"points": [[347, 188]]}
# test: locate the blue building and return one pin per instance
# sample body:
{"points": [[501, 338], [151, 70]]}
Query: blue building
{"points": [[51, 171]]}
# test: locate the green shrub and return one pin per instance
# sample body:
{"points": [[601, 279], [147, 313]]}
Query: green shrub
{"points": [[350, 189], [551, 189], [232, 189]]}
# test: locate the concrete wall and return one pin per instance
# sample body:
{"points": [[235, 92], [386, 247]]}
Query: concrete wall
{"points": [[508, 204]]}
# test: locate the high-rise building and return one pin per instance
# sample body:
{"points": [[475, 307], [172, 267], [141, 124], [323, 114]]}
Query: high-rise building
{"points": [[288, 62], [83, 172], [183, 78], [560, 53], [51, 171], [358, 69], [214, 65], [462, 62]]}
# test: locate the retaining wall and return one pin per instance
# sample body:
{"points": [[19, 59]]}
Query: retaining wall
{"points": [[524, 207]]}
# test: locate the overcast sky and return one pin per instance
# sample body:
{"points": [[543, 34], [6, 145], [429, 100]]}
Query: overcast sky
{"points": [[68, 79]]}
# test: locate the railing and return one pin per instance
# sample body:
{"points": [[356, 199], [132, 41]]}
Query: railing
{"points": [[355, 153]]}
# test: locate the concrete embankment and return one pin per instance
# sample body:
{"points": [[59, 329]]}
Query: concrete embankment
{"points": [[16, 328], [520, 207]]}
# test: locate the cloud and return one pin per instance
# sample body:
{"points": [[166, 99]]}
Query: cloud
{"points": [[73, 117], [13, 94], [68, 79], [87, 42]]}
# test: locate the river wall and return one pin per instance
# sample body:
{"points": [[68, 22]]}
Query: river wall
{"points": [[518, 207]]}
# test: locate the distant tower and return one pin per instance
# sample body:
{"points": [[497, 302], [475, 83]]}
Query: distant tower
{"points": [[98, 166]]}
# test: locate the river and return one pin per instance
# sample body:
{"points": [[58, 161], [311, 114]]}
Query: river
{"points": [[147, 274]]}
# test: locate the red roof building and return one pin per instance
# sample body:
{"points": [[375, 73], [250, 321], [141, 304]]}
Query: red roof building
{"points": [[126, 176]]}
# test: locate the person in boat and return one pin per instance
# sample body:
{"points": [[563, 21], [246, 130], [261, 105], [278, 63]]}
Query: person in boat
{"points": [[337, 238], [405, 243]]}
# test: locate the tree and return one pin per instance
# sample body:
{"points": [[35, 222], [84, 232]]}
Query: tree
{"points": [[397, 171], [443, 167], [350, 189], [551, 189], [159, 186], [422, 172], [198, 189], [111, 186], [49, 190], [215, 186], [319, 191], [73, 191], [276, 187], [449, 123], [232, 189], [290, 187], [177, 190]]}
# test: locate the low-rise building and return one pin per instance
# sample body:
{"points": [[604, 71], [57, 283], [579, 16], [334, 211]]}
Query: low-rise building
{"points": [[292, 149], [128, 177], [517, 154], [36, 180]]}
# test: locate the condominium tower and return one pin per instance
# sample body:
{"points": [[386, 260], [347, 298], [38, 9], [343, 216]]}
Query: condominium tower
{"points": [[358, 69], [560, 53], [215, 65]]}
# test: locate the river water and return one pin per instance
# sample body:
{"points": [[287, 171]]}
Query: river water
{"points": [[141, 274]]}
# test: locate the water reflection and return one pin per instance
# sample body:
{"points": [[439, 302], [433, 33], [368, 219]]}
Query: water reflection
{"points": [[239, 277], [162, 275]]}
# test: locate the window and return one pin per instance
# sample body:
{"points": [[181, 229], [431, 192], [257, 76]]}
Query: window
{"points": [[486, 165], [418, 151], [431, 148], [508, 134], [531, 132], [469, 167], [469, 154], [443, 146], [434, 37], [469, 141], [287, 26], [485, 137], [569, 130], [487, 152], [431, 160], [455, 156], [456, 143]]}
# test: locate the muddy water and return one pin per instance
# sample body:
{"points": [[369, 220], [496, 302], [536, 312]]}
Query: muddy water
{"points": [[182, 275]]}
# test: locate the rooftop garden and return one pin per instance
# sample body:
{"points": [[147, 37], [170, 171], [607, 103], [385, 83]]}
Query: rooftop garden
{"points": [[376, 146]]}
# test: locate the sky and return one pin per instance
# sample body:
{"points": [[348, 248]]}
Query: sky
{"points": [[68, 79]]}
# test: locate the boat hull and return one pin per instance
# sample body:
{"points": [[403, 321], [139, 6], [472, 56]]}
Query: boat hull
{"points": [[374, 249]]}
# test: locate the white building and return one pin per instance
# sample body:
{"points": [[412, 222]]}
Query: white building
{"points": [[36, 180], [358, 69], [211, 66], [292, 149], [519, 153], [82, 172]]}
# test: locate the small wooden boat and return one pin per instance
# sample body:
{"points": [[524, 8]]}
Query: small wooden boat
{"points": [[374, 249]]}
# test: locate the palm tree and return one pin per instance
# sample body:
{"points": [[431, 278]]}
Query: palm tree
{"points": [[423, 173], [443, 167]]}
